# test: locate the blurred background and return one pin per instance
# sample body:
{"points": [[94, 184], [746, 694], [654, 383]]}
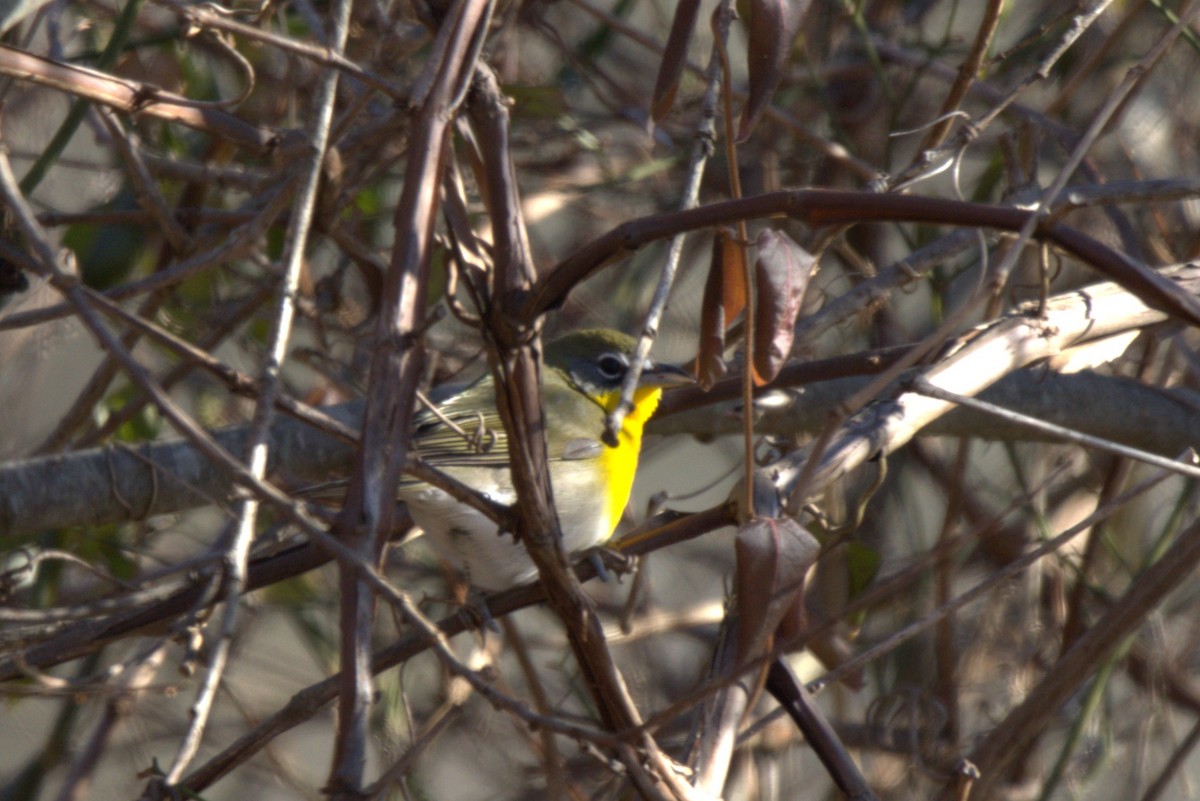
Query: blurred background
{"points": [[188, 228]]}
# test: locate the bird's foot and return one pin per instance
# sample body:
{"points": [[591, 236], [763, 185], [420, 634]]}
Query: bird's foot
{"points": [[608, 561]]}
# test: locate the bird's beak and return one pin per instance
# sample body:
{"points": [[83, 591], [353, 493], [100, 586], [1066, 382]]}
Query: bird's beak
{"points": [[665, 375]]}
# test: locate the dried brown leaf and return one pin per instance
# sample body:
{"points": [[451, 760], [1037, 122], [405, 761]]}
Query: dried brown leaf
{"points": [[710, 364], [773, 556], [674, 61], [724, 299], [773, 26], [734, 291], [781, 274]]}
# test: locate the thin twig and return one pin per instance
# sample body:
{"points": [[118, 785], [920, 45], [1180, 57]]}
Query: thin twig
{"points": [[135, 98], [237, 554], [702, 150]]}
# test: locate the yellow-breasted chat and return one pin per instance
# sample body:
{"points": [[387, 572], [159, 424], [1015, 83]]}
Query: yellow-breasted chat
{"points": [[464, 438]]}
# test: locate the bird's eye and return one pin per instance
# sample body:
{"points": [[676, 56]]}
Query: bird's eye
{"points": [[611, 365]]}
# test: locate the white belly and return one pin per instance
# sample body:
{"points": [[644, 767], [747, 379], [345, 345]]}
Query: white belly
{"points": [[469, 541]]}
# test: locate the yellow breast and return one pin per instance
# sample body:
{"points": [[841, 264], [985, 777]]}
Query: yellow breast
{"points": [[620, 463]]}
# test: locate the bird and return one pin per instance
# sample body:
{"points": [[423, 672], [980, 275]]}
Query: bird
{"points": [[591, 480]]}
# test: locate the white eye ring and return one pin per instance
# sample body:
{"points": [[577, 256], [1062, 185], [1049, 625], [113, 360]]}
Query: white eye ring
{"points": [[611, 365]]}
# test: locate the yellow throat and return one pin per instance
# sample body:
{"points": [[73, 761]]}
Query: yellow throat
{"points": [[620, 463]]}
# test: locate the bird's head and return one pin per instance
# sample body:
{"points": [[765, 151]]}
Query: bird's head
{"points": [[596, 360]]}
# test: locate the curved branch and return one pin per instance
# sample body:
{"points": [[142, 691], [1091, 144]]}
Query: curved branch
{"points": [[819, 207]]}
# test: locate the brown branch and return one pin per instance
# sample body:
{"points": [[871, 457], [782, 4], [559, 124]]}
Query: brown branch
{"points": [[203, 17], [818, 208], [1019, 728], [517, 366], [966, 75], [135, 97], [240, 242], [653, 534], [366, 518]]}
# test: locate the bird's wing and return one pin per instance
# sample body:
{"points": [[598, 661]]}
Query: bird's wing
{"points": [[460, 437], [466, 432]]}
